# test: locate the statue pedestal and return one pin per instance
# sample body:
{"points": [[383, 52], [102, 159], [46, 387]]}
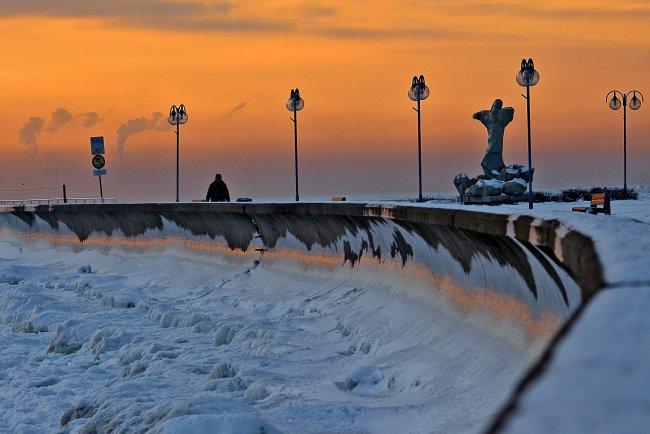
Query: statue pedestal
{"points": [[492, 200]]}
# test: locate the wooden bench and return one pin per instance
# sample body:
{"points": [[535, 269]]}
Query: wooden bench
{"points": [[599, 204]]}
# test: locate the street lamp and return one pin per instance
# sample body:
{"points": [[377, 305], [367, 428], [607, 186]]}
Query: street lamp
{"points": [[615, 104], [527, 77], [294, 104], [419, 92], [177, 116]]}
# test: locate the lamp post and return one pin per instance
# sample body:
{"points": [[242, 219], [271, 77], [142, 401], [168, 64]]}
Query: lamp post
{"points": [[419, 92], [294, 104], [177, 116], [527, 77], [615, 103]]}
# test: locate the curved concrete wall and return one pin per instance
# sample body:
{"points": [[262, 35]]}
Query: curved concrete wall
{"points": [[520, 271], [516, 277]]}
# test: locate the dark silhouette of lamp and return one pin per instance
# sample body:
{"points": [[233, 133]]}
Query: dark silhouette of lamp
{"points": [[615, 103], [294, 104], [419, 92], [177, 116], [527, 77]]}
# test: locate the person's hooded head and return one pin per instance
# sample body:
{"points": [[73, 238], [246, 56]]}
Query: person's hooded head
{"points": [[217, 177]]}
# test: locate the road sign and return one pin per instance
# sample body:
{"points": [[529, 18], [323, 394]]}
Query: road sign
{"points": [[98, 161], [99, 172], [97, 145]]}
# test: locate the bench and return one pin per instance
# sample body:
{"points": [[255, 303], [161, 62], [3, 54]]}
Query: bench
{"points": [[599, 203]]}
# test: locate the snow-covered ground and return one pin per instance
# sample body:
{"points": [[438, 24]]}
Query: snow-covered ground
{"points": [[598, 379], [634, 209], [175, 343], [172, 342]]}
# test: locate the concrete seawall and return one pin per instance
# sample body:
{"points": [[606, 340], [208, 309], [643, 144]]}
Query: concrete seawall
{"points": [[520, 278], [574, 250]]}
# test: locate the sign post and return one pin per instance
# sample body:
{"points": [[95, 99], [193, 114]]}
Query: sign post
{"points": [[98, 161]]}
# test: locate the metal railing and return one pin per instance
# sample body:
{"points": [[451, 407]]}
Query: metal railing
{"points": [[58, 200], [46, 196], [46, 193]]}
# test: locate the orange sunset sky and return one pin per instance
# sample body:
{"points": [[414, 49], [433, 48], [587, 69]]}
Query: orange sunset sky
{"points": [[75, 68]]}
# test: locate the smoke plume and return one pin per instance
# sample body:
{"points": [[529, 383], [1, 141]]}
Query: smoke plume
{"points": [[238, 107], [137, 125], [59, 119], [29, 133], [89, 119]]}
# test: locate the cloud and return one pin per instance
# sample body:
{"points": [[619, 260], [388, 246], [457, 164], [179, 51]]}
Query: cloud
{"points": [[112, 9], [135, 126], [544, 10], [89, 119], [307, 18], [29, 133], [340, 32], [59, 119], [316, 11], [192, 15], [239, 107]]}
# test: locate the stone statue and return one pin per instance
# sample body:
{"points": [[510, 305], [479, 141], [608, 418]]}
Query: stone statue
{"points": [[499, 183], [495, 120]]}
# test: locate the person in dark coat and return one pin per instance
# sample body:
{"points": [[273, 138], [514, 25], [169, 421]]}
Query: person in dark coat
{"points": [[218, 191]]}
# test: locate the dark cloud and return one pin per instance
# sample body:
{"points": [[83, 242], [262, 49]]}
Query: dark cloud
{"points": [[541, 10], [239, 107], [239, 17], [156, 14], [108, 9], [89, 119], [138, 125], [304, 17], [220, 25], [59, 119], [29, 133]]}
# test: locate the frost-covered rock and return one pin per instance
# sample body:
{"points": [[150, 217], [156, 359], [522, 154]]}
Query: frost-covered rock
{"points": [[86, 269], [515, 187], [40, 322], [169, 316], [256, 391], [225, 334], [525, 174], [10, 279], [69, 337], [104, 341], [462, 183], [222, 370], [486, 187], [81, 410], [117, 301]]}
